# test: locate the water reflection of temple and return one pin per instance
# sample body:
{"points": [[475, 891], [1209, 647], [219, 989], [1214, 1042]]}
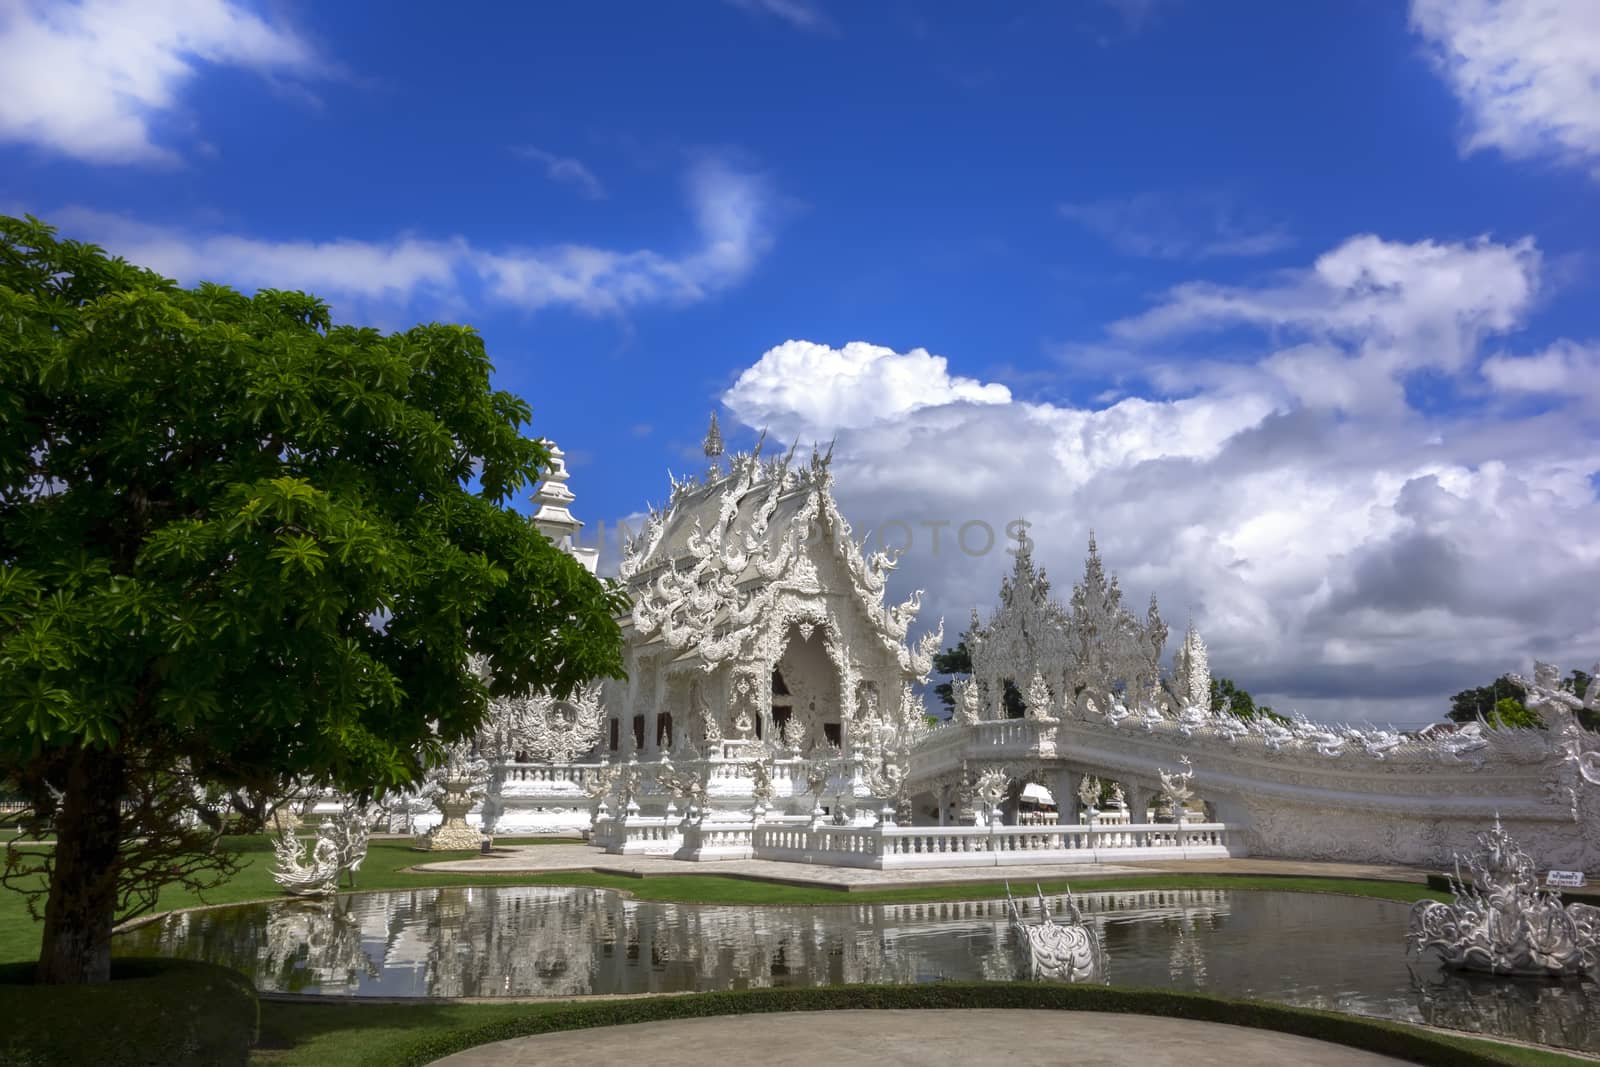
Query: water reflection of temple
{"points": [[1547, 1011], [554, 941]]}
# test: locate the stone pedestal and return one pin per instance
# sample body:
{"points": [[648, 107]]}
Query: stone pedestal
{"points": [[453, 834]]}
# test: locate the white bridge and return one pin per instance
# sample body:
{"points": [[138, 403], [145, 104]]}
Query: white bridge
{"points": [[1305, 791]]}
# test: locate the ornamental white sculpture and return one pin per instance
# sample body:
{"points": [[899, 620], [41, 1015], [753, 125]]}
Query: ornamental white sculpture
{"points": [[340, 848], [1089, 791], [1503, 922], [303, 875], [965, 692], [990, 789], [1191, 670], [1070, 952], [457, 786], [1176, 787], [1559, 708], [1038, 699]]}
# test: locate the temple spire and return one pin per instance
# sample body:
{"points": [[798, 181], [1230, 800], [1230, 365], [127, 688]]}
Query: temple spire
{"points": [[712, 446], [552, 514]]}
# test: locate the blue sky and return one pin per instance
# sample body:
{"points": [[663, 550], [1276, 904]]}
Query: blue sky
{"points": [[1294, 304]]}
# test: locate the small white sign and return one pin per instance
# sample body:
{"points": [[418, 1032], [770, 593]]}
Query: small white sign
{"points": [[1566, 879]]}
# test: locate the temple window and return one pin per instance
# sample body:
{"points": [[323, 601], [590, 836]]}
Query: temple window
{"points": [[664, 730], [616, 725], [832, 733], [638, 732]]}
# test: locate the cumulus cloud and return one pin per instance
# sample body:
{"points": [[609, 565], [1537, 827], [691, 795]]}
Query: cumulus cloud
{"points": [[1566, 367], [1363, 315], [1358, 562], [811, 388], [1527, 73], [1178, 226], [565, 170], [731, 211], [86, 79]]}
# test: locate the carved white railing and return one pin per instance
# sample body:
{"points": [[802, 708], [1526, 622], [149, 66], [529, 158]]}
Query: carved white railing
{"points": [[639, 835], [924, 846], [891, 847], [574, 775], [946, 748]]}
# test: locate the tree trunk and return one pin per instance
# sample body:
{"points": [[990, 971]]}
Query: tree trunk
{"points": [[81, 908]]}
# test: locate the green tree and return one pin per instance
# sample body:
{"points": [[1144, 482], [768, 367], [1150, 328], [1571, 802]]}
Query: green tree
{"points": [[240, 545], [1485, 701], [1226, 696], [1469, 704], [1508, 711], [957, 661], [952, 661]]}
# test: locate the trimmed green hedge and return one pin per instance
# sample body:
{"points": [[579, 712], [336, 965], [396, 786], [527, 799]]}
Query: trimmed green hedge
{"points": [[1403, 1042], [153, 1011]]}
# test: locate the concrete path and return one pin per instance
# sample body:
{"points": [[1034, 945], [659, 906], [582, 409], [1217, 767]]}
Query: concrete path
{"points": [[533, 859], [924, 1038]]}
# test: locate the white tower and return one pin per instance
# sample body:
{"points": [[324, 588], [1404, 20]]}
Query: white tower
{"points": [[553, 517]]}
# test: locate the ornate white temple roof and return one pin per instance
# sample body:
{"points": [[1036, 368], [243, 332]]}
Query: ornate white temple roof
{"points": [[707, 572]]}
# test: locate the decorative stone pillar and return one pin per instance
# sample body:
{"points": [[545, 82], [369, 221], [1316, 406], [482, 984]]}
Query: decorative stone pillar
{"points": [[1064, 787], [1138, 803]]}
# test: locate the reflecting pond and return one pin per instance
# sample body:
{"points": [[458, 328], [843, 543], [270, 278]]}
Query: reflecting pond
{"points": [[1310, 949]]}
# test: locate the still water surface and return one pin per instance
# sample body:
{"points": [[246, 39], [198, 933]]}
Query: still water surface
{"points": [[1308, 949]]}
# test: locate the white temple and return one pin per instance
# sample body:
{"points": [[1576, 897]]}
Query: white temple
{"points": [[771, 710], [763, 667]]}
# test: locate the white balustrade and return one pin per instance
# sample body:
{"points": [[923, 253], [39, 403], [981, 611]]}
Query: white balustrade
{"points": [[897, 847], [637, 835]]}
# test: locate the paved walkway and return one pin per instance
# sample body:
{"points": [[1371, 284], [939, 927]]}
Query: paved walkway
{"points": [[533, 859], [924, 1038]]}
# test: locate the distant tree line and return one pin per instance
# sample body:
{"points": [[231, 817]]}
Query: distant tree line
{"points": [[1503, 703]]}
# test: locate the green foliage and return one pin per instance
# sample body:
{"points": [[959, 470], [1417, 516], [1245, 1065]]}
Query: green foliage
{"points": [[1486, 702], [1509, 711], [1225, 696], [1469, 704], [242, 541], [958, 661], [152, 1012]]}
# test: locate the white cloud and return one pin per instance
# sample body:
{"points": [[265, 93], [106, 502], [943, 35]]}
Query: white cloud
{"points": [[86, 79], [1564, 368], [1361, 562], [731, 209], [565, 170], [1526, 71], [1178, 226], [1370, 312], [801, 14], [802, 387]]}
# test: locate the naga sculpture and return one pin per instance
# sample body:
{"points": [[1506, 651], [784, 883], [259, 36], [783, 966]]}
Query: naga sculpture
{"points": [[1175, 786], [340, 848], [1503, 922], [1066, 953]]}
